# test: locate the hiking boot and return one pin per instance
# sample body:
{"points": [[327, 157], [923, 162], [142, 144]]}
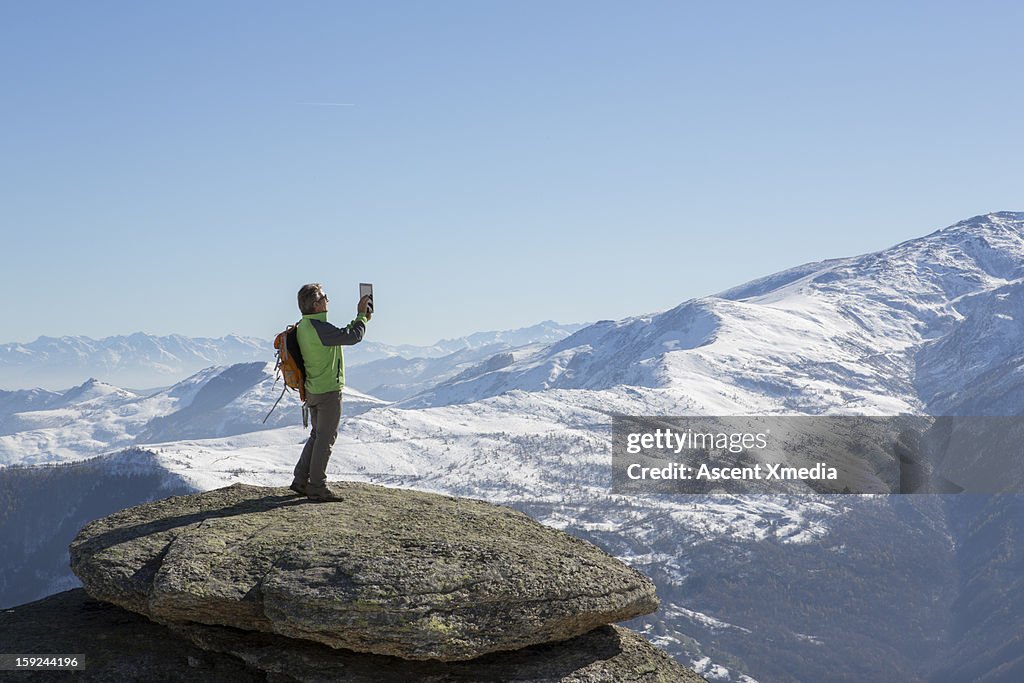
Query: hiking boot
{"points": [[298, 488], [322, 495]]}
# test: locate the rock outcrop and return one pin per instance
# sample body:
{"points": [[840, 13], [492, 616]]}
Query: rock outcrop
{"points": [[385, 584], [116, 645], [385, 571], [121, 646]]}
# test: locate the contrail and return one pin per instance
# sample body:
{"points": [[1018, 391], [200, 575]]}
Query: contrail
{"points": [[330, 104]]}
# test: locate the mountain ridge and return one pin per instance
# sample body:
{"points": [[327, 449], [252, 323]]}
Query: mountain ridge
{"points": [[861, 329], [143, 361]]}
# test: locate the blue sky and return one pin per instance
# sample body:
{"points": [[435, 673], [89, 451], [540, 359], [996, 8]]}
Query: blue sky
{"points": [[173, 167]]}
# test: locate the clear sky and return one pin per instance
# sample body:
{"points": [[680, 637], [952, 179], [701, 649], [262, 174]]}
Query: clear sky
{"points": [[183, 166]]}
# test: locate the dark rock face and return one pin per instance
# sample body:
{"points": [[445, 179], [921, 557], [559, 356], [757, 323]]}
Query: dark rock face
{"points": [[122, 646], [117, 645], [605, 654], [385, 571]]}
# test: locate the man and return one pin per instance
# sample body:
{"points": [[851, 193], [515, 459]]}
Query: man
{"points": [[320, 343]]}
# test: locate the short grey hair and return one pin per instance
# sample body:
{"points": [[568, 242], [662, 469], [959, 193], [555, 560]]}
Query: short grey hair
{"points": [[309, 296]]}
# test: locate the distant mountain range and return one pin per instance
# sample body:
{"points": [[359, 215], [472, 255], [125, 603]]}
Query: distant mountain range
{"points": [[138, 360], [753, 588], [39, 427], [142, 361]]}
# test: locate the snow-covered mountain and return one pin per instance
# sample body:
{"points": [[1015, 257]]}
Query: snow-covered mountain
{"points": [[931, 325], [96, 417], [26, 399], [395, 378], [779, 587], [142, 361], [541, 333], [137, 360]]}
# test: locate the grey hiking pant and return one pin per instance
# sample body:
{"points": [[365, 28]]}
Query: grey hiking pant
{"points": [[324, 416]]}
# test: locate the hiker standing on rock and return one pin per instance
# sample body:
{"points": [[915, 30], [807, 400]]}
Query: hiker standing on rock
{"points": [[320, 343]]}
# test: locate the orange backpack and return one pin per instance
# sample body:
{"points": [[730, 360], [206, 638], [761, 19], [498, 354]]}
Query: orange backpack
{"points": [[290, 367]]}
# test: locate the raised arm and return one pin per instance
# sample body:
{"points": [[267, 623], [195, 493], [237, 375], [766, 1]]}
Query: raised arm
{"points": [[340, 336]]}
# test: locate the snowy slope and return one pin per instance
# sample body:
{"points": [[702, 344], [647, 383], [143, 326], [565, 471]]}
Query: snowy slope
{"points": [[396, 378], [370, 350], [506, 449], [914, 328], [12, 402], [96, 417]]}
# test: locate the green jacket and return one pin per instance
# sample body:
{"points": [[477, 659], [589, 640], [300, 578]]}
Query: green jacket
{"points": [[320, 343]]}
